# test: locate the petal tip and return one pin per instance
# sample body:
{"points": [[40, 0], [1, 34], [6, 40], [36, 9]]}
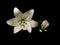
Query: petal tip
{"points": [[15, 7], [34, 23], [8, 22], [14, 32], [32, 10], [29, 31]]}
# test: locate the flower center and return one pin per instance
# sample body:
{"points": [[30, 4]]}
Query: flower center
{"points": [[22, 22]]}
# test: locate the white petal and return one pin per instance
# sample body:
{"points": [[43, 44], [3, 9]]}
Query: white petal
{"points": [[34, 23], [24, 28], [12, 22], [28, 27], [29, 14], [17, 29], [17, 12]]}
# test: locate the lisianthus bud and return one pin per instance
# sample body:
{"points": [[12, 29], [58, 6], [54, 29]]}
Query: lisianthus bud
{"points": [[45, 24]]}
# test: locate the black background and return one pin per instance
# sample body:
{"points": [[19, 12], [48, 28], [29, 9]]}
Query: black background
{"points": [[43, 10]]}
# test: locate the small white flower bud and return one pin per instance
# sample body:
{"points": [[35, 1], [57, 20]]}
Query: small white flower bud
{"points": [[40, 30], [45, 24]]}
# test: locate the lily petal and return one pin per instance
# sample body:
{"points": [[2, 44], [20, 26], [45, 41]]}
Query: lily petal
{"points": [[12, 22], [28, 27], [34, 23], [17, 29], [29, 14], [17, 12]]}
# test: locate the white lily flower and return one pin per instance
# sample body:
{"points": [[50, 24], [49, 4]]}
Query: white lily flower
{"points": [[22, 20], [45, 24]]}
